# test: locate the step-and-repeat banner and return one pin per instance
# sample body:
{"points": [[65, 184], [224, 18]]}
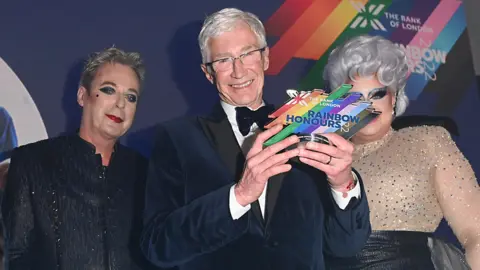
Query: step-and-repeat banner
{"points": [[43, 44]]}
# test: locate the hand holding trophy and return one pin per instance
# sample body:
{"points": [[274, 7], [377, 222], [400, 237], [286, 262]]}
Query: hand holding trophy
{"points": [[324, 123]]}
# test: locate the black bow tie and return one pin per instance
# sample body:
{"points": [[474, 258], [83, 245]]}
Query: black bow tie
{"points": [[246, 117]]}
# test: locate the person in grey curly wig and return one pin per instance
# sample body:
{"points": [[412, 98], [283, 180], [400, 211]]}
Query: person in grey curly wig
{"points": [[378, 69], [415, 175]]}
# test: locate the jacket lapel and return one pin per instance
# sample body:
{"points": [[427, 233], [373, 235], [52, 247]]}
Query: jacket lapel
{"points": [[219, 132]]}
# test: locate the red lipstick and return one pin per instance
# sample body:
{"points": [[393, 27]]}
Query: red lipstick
{"points": [[114, 118]]}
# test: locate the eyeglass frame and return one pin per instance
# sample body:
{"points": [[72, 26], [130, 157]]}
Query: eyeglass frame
{"points": [[210, 64]]}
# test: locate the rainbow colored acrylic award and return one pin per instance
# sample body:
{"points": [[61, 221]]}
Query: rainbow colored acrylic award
{"points": [[310, 113]]}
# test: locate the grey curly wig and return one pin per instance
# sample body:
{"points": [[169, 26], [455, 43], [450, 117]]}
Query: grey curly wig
{"points": [[366, 56]]}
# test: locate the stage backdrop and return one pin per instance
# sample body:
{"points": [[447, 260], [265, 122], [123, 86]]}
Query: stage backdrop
{"points": [[43, 44]]}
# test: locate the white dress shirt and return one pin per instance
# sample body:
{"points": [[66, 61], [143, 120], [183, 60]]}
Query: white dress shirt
{"points": [[245, 142]]}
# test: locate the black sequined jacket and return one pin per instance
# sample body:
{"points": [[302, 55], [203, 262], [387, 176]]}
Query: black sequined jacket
{"points": [[63, 210]]}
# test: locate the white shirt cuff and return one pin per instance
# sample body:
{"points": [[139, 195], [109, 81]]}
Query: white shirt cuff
{"points": [[236, 210], [341, 201]]}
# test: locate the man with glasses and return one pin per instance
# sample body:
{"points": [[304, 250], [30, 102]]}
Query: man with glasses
{"points": [[217, 199]]}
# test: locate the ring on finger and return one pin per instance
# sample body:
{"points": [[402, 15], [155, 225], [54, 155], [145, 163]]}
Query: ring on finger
{"points": [[329, 160]]}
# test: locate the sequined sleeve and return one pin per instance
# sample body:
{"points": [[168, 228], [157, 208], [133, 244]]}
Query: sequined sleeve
{"points": [[457, 191], [18, 215]]}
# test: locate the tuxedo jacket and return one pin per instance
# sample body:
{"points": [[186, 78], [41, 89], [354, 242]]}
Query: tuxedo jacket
{"points": [[188, 224]]}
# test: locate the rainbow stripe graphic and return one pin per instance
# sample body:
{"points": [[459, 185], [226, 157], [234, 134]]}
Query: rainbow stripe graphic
{"points": [[311, 29], [315, 112]]}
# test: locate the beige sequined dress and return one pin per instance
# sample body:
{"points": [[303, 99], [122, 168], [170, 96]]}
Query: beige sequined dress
{"points": [[414, 177]]}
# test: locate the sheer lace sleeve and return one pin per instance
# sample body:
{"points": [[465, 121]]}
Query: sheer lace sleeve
{"points": [[457, 191]]}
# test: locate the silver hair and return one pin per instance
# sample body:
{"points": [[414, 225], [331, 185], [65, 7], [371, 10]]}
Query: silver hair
{"points": [[366, 56], [111, 55], [225, 20]]}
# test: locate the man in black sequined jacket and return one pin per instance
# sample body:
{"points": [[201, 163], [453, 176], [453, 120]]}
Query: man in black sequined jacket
{"points": [[74, 202]]}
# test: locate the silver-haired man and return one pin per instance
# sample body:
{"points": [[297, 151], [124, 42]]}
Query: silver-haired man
{"points": [[216, 199]]}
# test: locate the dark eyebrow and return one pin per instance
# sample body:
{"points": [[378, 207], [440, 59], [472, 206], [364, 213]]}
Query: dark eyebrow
{"points": [[374, 90], [115, 85], [378, 88]]}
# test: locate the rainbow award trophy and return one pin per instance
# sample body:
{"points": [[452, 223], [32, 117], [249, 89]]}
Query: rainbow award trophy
{"points": [[308, 114]]}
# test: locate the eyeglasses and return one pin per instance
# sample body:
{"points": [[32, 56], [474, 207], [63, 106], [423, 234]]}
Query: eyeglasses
{"points": [[374, 94], [226, 63]]}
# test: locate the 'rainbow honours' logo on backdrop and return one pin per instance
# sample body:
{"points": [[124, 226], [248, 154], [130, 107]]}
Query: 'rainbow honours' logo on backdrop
{"points": [[309, 29], [315, 112]]}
